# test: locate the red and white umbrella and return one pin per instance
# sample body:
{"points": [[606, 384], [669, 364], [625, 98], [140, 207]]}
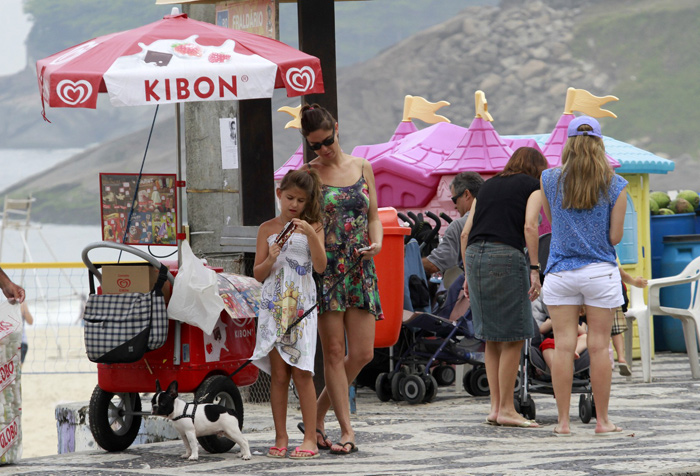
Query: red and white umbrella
{"points": [[175, 60]]}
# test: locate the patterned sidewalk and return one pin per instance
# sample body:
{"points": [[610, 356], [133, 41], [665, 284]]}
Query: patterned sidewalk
{"points": [[447, 437]]}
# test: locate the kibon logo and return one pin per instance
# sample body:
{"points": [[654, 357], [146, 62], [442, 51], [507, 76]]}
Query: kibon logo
{"points": [[123, 283], [73, 92], [301, 79]]}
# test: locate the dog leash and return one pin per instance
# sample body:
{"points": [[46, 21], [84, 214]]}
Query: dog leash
{"points": [[306, 313]]}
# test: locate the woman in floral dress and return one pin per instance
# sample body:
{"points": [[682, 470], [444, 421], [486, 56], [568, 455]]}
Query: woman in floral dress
{"points": [[353, 232]]}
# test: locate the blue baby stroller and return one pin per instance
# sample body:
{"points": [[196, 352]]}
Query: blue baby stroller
{"points": [[430, 344], [534, 375]]}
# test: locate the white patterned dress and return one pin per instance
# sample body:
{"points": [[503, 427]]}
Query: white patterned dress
{"points": [[286, 294]]}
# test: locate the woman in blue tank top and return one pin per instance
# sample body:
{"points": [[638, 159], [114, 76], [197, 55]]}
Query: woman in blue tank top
{"points": [[585, 202]]}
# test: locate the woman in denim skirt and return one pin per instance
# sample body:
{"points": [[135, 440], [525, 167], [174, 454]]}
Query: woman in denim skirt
{"points": [[501, 280]]}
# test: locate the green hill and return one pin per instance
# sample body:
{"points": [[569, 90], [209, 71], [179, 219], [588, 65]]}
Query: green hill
{"points": [[651, 49]]}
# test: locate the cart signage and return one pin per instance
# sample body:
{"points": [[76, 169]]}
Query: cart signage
{"points": [[183, 89], [144, 210]]}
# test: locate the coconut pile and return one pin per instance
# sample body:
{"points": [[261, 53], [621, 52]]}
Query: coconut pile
{"points": [[686, 201]]}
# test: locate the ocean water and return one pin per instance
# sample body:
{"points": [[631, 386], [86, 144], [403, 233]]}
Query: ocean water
{"points": [[44, 242]]}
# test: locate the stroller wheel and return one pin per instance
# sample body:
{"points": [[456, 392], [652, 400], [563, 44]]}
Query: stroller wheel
{"points": [[383, 387], [479, 383], [526, 408], [585, 407], [467, 382], [397, 385], [431, 388], [444, 375], [414, 389]]}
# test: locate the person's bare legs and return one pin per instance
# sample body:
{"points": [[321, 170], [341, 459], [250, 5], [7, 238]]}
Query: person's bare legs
{"points": [[565, 328], [581, 345], [340, 369], [279, 391], [492, 358], [618, 341], [599, 325], [331, 330], [548, 356], [304, 383], [507, 373]]}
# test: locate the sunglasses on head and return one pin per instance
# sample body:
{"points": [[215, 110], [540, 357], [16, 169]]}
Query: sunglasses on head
{"points": [[327, 142]]}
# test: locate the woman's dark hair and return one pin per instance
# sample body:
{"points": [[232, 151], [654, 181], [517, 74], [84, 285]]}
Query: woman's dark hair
{"points": [[525, 160], [309, 181], [315, 117]]}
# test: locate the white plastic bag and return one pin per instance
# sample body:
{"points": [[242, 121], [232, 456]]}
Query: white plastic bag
{"points": [[195, 298]]}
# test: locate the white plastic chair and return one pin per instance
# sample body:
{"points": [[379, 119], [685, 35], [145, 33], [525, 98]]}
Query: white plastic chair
{"points": [[637, 309], [690, 317]]}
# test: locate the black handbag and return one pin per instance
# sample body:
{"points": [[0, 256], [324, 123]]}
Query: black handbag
{"points": [[120, 328]]}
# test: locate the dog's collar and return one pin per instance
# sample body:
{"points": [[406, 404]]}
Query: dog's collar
{"points": [[184, 412]]}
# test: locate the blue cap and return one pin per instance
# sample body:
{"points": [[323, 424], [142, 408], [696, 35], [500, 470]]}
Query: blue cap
{"points": [[579, 121]]}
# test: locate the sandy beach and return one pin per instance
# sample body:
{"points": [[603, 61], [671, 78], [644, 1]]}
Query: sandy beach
{"points": [[46, 382]]}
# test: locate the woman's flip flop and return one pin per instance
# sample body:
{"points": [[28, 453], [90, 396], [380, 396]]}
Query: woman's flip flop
{"points": [[352, 449], [324, 446]]}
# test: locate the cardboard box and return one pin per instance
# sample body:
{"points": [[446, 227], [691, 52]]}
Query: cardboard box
{"points": [[118, 279]]}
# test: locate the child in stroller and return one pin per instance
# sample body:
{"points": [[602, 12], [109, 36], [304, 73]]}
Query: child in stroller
{"points": [[535, 361], [430, 344]]}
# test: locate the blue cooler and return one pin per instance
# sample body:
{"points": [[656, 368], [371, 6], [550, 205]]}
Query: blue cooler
{"points": [[678, 252], [665, 225]]}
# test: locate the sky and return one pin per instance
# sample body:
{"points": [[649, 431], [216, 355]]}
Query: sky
{"points": [[14, 27]]}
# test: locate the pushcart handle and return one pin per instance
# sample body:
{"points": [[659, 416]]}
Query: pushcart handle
{"points": [[121, 247]]}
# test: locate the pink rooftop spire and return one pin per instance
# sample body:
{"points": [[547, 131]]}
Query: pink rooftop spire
{"points": [[481, 149]]}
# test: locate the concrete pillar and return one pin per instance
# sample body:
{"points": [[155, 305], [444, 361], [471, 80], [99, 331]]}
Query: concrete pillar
{"points": [[213, 194]]}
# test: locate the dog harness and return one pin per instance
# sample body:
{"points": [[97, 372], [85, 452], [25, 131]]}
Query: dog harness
{"points": [[184, 412]]}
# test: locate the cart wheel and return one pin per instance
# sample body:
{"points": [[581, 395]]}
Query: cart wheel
{"points": [[382, 386], [420, 368], [516, 403], [595, 415], [444, 375], [397, 385], [431, 388], [221, 390], [585, 408], [112, 421], [413, 389], [467, 382], [479, 382]]}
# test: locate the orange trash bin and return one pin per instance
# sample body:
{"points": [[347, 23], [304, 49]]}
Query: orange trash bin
{"points": [[389, 265]]}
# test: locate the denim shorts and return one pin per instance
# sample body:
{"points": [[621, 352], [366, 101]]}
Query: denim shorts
{"points": [[596, 284], [499, 280]]}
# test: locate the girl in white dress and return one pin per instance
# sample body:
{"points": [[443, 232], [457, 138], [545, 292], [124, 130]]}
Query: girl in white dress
{"points": [[284, 262]]}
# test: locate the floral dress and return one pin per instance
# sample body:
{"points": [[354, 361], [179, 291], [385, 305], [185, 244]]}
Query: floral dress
{"points": [[345, 212], [286, 294]]}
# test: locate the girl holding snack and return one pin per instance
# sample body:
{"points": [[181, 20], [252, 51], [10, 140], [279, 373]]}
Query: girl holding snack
{"points": [[288, 248]]}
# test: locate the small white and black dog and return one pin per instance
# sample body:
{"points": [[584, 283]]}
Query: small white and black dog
{"points": [[192, 420]]}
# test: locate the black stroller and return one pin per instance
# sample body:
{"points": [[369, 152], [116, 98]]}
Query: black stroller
{"points": [[534, 375], [429, 345]]}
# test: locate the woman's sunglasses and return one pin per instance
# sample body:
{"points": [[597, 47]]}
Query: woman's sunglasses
{"points": [[317, 145]]}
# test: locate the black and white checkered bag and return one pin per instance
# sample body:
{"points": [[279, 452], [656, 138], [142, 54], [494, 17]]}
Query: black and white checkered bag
{"points": [[120, 328]]}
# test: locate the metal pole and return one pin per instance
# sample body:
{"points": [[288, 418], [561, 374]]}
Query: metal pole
{"points": [[178, 178]]}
